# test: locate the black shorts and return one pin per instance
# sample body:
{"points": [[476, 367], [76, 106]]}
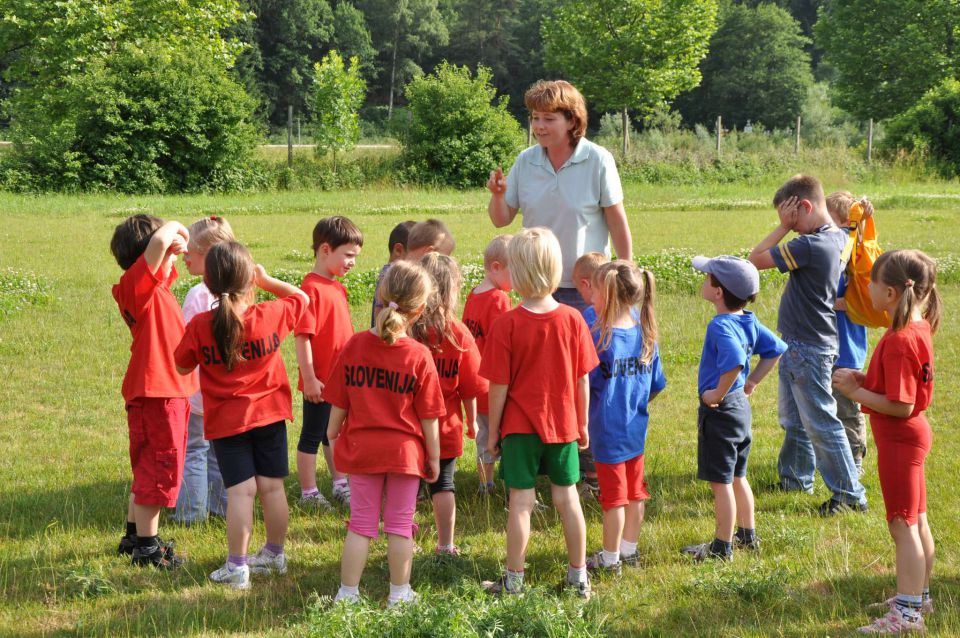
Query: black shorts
{"points": [[316, 416], [444, 482], [261, 451], [723, 439]]}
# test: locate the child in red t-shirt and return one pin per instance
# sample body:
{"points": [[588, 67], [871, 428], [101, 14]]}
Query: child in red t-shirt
{"points": [[458, 361], [895, 392], [322, 332], [156, 397], [246, 400], [387, 383], [537, 358], [486, 303]]}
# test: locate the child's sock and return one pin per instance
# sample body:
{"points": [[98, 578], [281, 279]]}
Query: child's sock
{"points": [[489, 484], [131, 529], [445, 548], [909, 606], [273, 548], [627, 548], [348, 592], [312, 491], [746, 535], [609, 558], [576, 574], [148, 544], [399, 593], [340, 483], [926, 594], [514, 580], [237, 560], [721, 548]]}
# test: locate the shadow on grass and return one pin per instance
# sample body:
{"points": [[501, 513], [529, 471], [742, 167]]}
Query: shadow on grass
{"points": [[71, 507]]}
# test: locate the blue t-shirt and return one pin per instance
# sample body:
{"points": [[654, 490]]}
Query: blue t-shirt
{"points": [[730, 342], [620, 388], [590, 315], [852, 336], [806, 307]]}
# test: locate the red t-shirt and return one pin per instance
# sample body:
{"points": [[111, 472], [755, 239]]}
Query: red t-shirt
{"points": [[256, 392], [539, 357], [459, 381], [479, 313], [386, 391], [901, 369], [326, 322], [153, 316]]}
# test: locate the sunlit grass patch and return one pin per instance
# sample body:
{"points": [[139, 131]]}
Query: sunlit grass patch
{"points": [[20, 290]]}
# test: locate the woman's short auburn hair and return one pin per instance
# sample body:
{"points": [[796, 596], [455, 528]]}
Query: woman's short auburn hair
{"points": [[559, 96]]}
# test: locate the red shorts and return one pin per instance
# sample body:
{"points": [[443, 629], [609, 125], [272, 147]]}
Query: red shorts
{"points": [[902, 448], [621, 483], [158, 441]]}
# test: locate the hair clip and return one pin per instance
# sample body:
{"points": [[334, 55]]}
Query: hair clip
{"points": [[393, 305], [908, 283]]}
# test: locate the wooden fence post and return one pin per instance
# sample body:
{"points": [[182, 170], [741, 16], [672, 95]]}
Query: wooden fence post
{"points": [[719, 133], [870, 141], [290, 136], [796, 143]]}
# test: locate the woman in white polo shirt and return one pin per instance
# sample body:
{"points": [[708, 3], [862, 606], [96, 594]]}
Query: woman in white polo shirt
{"points": [[564, 182]]}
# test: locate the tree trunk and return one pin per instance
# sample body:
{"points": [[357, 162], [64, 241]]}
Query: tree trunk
{"points": [[626, 132], [393, 69]]}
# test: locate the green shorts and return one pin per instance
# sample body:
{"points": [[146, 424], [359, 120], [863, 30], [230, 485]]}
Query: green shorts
{"points": [[524, 456]]}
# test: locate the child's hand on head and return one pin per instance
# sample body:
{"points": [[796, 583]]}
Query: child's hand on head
{"points": [[867, 207], [789, 212], [259, 275], [178, 246]]}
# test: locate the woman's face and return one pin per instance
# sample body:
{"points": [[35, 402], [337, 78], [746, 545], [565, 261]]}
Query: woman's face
{"points": [[552, 128]]}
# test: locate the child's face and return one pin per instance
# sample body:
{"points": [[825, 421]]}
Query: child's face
{"points": [[339, 261], [195, 260], [708, 291], [882, 296], [500, 276]]}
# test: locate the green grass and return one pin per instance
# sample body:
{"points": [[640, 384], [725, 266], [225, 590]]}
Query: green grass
{"points": [[65, 476]]}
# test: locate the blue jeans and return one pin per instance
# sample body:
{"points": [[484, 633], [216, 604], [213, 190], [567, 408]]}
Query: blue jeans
{"points": [[202, 488], [570, 297], [814, 438]]}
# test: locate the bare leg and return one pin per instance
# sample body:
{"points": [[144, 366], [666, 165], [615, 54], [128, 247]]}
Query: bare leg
{"points": [[147, 518], [725, 509], [613, 523], [354, 559], [518, 527], [445, 515], [744, 503], [633, 519], [328, 457], [926, 539], [400, 559], [131, 518], [306, 470], [567, 502], [240, 516], [911, 563], [485, 472], [275, 511]]}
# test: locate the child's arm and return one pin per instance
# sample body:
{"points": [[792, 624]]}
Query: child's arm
{"points": [[274, 286], [470, 417], [850, 384], [764, 366], [788, 211], [431, 434], [312, 386], [337, 415], [714, 396], [583, 405], [169, 241], [495, 402]]}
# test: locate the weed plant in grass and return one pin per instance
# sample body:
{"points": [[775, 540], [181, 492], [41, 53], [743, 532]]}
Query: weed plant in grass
{"points": [[65, 476]]}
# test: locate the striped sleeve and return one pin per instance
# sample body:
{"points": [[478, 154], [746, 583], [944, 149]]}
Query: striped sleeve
{"points": [[792, 255]]}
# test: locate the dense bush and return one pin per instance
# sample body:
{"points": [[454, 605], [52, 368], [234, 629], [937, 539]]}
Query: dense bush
{"points": [[931, 128], [142, 119], [456, 131]]}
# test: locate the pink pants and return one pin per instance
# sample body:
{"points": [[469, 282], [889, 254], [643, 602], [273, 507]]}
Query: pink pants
{"points": [[397, 493]]}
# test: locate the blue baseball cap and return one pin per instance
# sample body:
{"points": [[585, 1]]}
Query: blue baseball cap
{"points": [[736, 274]]}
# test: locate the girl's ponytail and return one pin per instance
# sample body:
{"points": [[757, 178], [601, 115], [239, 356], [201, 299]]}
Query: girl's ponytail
{"points": [[405, 288], [914, 274], [439, 314], [229, 276], [648, 319], [625, 287]]}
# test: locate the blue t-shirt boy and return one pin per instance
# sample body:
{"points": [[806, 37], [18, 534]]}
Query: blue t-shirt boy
{"points": [[620, 390], [852, 336], [731, 340]]}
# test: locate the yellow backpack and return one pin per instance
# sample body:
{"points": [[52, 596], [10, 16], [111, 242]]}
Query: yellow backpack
{"points": [[862, 250]]}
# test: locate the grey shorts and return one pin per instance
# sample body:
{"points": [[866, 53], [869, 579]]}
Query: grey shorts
{"points": [[483, 429]]}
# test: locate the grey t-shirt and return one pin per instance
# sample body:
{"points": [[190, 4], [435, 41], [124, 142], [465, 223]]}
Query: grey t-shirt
{"points": [[806, 307]]}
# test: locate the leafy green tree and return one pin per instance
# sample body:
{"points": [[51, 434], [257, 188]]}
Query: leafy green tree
{"points": [[757, 69], [351, 36], [406, 31], [338, 92], [630, 54], [930, 129], [457, 129], [887, 53]]}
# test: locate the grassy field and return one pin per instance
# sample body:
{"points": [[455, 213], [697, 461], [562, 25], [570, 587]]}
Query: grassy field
{"points": [[64, 480]]}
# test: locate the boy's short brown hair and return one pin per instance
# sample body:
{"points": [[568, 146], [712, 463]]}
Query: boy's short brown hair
{"points": [[400, 234], [559, 96], [730, 300], [801, 187], [335, 232], [838, 205], [587, 264], [496, 250], [131, 236], [431, 232]]}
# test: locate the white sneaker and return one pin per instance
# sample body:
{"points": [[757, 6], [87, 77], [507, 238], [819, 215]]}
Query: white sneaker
{"points": [[316, 502], [409, 597], [266, 562], [236, 576], [341, 494], [352, 599]]}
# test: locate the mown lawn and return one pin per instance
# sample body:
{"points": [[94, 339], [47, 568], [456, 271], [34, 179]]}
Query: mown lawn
{"points": [[64, 480]]}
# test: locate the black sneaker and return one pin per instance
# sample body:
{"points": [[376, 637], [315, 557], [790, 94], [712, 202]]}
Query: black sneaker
{"points": [[746, 543], [499, 587], [704, 551], [833, 506], [129, 543], [161, 557], [633, 560], [595, 565]]}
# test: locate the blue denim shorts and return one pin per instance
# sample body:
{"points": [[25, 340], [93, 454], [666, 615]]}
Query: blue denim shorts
{"points": [[723, 439]]}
